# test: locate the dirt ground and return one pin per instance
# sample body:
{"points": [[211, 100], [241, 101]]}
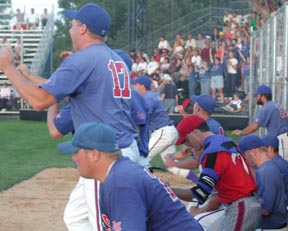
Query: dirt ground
{"points": [[37, 204]]}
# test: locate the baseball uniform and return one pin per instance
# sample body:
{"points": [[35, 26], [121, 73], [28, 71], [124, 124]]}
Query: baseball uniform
{"points": [[140, 201], [95, 94], [224, 168], [273, 116]]}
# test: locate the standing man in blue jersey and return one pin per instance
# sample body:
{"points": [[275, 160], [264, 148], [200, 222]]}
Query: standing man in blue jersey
{"points": [[271, 116], [163, 132], [98, 85], [138, 201]]}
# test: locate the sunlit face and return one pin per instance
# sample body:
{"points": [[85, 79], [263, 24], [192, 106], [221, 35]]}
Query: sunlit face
{"points": [[82, 159], [75, 31]]}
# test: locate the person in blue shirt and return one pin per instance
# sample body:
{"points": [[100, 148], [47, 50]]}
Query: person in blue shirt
{"points": [[272, 116], [131, 198], [271, 187], [272, 147], [217, 80]]}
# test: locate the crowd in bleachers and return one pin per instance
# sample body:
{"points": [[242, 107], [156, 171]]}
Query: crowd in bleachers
{"points": [[31, 20], [208, 63]]}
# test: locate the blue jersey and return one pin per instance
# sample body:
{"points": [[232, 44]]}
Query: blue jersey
{"points": [[217, 69], [192, 76], [63, 120], [157, 114], [246, 68], [140, 116], [97, 82], [203, 74], [273, 117], [215, 127], [271, 193], [283, 167], [245, 49], [131, 198]]}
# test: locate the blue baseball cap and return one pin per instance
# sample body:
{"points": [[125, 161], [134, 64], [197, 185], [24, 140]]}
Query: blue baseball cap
{"points": [[249, 142], [143, 80], [205, 101], [93, 16], [91, 135], [126, 57], [270, 140], [262, 89]]}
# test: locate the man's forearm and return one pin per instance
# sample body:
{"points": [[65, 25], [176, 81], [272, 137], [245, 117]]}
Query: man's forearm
{"points": [[183, 194], [38, 98]]}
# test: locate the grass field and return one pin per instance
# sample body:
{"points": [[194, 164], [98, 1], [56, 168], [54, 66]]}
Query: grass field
{"points": [[26, 149]]}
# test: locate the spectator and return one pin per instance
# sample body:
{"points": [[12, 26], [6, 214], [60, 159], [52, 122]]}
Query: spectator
{"points": [[235, 21], [191, 42], [205, 77], [19, 19], [271, 188], [245, 72], [165, 65], [200, 42], [44, 18], [32, 20], [232, 65], [196, 57], [142, 67], [169, 94], [253, 21], [217, 80], [152, 67], [235, 105], [227, 17], [164, 44], [5, 97]]}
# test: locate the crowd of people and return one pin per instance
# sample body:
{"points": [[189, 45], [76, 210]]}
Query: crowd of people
{"points": [[29, 20], [216, 63]]}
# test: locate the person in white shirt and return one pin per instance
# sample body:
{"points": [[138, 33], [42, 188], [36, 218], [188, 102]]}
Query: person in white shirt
{"points": [[32, 20], [164, 44], [152, 67], [227, 17], [5, 95], [191, 42], [142, 67]]}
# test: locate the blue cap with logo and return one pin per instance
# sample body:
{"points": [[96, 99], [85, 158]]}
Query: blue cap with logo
{"points": [[93, 16], [91, 135], [143, 80], [205, 101], [270, 140], [249, 142], [262, 89]]}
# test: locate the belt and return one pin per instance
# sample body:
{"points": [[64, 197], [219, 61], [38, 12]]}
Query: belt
{"points": [[163, 127], [252, 194]]}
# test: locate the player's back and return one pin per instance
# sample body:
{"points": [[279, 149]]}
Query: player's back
{"points": [[98, 85]]}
